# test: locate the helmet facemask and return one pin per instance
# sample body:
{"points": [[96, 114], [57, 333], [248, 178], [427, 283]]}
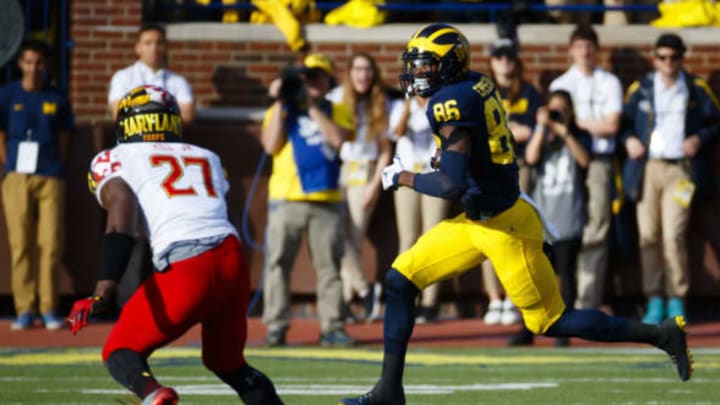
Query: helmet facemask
{"points": [[420, 73]]}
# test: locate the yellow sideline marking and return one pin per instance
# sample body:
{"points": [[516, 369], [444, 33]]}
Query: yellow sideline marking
{"points": [[428, 359]]}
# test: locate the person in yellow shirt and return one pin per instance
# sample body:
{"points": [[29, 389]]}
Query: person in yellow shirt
{"points": [[303, 131]]}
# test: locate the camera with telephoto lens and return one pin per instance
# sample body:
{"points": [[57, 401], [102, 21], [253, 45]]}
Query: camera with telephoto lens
{"points": [[293, 90]]}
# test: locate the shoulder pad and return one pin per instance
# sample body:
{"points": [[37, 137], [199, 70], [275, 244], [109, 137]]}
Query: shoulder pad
{"points": [[102, 167]]}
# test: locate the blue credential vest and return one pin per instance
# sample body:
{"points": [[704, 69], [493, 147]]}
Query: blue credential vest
{"points": [[318, 165]]}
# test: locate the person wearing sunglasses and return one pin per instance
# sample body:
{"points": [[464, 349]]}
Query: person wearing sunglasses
{"points": [[672, 116]]}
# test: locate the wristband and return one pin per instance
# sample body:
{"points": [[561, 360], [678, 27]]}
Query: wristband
{"points": [[116, 249]]}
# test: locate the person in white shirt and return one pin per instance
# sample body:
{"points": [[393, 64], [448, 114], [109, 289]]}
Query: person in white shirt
{"points": [[363, 156], [597, 95], [151, 68]]}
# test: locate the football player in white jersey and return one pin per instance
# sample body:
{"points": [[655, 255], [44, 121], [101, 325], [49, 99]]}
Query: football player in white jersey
{"points": [[202, 274]]}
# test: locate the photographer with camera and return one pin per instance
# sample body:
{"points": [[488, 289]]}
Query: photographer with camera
{"points": [[303, 132], [560, 153]]}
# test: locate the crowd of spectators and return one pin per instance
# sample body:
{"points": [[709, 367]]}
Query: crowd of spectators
{"points": [[330, 142]]}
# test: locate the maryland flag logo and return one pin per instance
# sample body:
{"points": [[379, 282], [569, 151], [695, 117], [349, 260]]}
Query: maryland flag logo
{"points": [[148, 114]]}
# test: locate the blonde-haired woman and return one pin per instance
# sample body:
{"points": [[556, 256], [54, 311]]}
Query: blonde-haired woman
{"points": [[364, 157], [415, 213]]}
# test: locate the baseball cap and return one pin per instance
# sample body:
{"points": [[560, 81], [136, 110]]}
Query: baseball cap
{"points": [[504, 46], [672, 41], [319, 61]]}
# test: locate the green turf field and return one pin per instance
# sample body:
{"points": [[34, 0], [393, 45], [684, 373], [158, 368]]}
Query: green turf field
{"points": [[321, 376]]}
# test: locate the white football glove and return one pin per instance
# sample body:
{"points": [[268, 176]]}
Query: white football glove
{"points": [[390, 173]]}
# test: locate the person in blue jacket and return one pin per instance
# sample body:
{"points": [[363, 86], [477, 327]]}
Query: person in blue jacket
{"points": [[670, 117]]}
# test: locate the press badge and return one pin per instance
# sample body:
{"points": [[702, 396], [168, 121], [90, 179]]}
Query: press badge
{"points": [[27, 157], [683, 192], [358, 172]]}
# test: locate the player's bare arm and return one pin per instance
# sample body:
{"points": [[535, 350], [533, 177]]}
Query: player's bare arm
{"points": [[117, 244], [121, 206]]}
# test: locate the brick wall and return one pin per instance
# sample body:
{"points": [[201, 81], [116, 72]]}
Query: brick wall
{"points": [[103, 32], [234, 67]]}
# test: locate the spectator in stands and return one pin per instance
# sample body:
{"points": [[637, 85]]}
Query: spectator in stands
{"points": [[151, 68], [363, 156], [597, 99], [303, 132], [561, 153], [672, 117], [415, 213], [36, 121], [521, 101]]}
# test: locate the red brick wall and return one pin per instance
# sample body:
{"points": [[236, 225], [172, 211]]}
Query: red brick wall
{"points": [[103, 32], [225, 73]]}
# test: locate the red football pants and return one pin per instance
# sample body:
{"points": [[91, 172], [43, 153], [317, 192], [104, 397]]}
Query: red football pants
{"points": [[211, 289]]}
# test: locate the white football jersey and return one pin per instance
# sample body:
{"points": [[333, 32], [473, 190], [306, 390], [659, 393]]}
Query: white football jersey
{"points": [[180, 188]]}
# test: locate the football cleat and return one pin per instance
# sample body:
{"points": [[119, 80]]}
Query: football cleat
{"points": [[161, 396], [673, 340], [375, 398]]}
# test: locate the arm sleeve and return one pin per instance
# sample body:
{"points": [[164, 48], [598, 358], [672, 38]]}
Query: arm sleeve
{"points": [[614, 96], [117, 87], [182, 91], [448, 182]]}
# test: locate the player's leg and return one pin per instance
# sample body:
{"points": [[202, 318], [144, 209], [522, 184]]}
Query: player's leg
{"points": [[529, 280], [164, 307], [224, 331], [443, 252]]}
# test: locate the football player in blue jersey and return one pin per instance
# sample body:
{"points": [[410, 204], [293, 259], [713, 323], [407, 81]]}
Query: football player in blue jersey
{"points": [[477, 165]]}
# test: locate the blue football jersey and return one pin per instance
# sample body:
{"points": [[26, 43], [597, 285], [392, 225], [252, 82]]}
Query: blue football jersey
{"points": [[492, 178]]}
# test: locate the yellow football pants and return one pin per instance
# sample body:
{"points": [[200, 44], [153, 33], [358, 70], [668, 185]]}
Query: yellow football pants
{"points": [[512, 241]]}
